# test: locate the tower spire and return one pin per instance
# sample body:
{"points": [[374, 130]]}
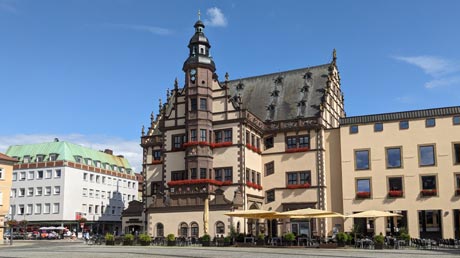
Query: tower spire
{"points": [[199, 15]]}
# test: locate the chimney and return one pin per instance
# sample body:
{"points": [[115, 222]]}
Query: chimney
{"points": [[108, 151]]}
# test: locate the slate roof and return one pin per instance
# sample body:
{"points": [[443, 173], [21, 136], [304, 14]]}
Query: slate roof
{"points": [[66, 151], [396, 116], [258, 93]]}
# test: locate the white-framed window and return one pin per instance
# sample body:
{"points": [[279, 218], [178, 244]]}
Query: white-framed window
{"points": [[57, 190], [78, 159], [48, 190], [97, 163], [124, 197], [89, 162], [85, 176], [55, 208], [12, 210], [96, 209], [57, 173], [40, 158], [91, 178], [91, 193], [103, 180], [53, 157], [85, 192], [31, 175], [108, 194], [98, 179], [109, 181], [15, 176], [97, 193], [90, 209], [22, 176], [38, 208], [39, 191], [2, 174], [21, 209], [129, 197], [30, 209], [30, 191], [84, 208], [47, 208], [13, 193], [26, 159], [48, 174], [103, 194], [22, 192], [40, 174]]}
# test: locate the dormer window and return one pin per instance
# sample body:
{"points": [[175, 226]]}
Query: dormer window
{"points": [[78, 159], [115, 168], [97, 163], [307, 75], [26, 159], [53, 157], [89, 162], [40, 158], [240, 86]]}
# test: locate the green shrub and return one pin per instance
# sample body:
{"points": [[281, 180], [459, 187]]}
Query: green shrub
{"points": [[379, 239], [261, 237], [206, 238], [171, 237], [404, 236], [128, 237], [227, 239], [144, 238], [109, 237], [289, 237], [342, 237]]}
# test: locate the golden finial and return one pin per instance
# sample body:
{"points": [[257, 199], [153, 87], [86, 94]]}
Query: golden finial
{"points": [[199, 15]]}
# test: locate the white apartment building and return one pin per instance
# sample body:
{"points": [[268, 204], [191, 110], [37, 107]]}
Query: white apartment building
{"points": [[57, 183]]}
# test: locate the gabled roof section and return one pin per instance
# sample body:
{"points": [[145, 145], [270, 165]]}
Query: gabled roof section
{"points": [[276, 96], [396, 116], [7, 158], [66, 152]]}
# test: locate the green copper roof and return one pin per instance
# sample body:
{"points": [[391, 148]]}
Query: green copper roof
{"points": [[67, 152]]}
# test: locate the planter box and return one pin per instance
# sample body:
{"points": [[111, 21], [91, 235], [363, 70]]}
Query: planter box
{"points": [[429, 192], [144, 243], [109, 242], [363, 195], [378, 246], [395, 193], [171, 243], [127, 242], [206, 243]]}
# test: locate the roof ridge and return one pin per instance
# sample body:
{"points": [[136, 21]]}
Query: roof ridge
{"points": [[403, 112]]}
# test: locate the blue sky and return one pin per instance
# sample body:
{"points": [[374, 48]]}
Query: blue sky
{"points": [[91, 72]]}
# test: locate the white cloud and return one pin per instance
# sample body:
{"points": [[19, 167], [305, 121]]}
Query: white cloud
{"points": [[431, 65], [143, 28], [443, 82], [216, 18], [130, 149]]}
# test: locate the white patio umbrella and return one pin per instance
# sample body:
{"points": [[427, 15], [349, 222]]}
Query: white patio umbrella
{"points": [[310, 213], [373, 214]]}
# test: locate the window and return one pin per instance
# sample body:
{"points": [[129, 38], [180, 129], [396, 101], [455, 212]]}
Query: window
{"points": [[298, 177], [228, 174], [21, 209], [193, 174], [378, 127], [178, 141], [220, 227], [248, 137], [13, 193], [193, 135], [90, 209], [429, 185], [57, 173], [393, 157], [48, 190], [203, 173], [218, 136], [183, 229], [38, 208], [157, 155], [430, 122], [47, 208], [268, 142], [30, 191], [78, 159], [57, 190], [253, 176], [91, 178], [178, 175], [103, 180], [269, 168], [91, 193], [361, 159], [97, 163], [85, 176], [96, 209], [291, 142], [218, 174], [203, 104], [48, 174], [354, 129], [248, 174], [89, 162], [457, 183], [403, 125], [22, 176], [202, 135], [270, 195], [426, 155], [40, 158], [160, 230], [304, 141], [98, 179], [194, 229], [40, 174], [193, 104], [30, 209], [363, 185], [2, 173], [456, 120], [395, 184], [15, 176], [53, 157], [39, 191], [26, 159], [457, 153], [228, 135], [22, 192]]}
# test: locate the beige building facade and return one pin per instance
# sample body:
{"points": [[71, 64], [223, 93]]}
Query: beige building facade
{"points": [[6, 176], [281, 142], [405, 162]]}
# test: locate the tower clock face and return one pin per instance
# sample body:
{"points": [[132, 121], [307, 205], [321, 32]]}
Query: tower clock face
{"points": [[193, 72]]}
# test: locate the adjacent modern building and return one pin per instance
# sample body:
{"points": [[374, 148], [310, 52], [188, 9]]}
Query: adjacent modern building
{"points": [[6, 173], [57, 183], [281, 142]]}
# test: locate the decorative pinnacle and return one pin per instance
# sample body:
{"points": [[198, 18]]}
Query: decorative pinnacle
{"points": [[160, 106], [226, 77], [176, 84], [334, 56], [167, 93], [143, 131], [151, 117], [199, 15]]}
